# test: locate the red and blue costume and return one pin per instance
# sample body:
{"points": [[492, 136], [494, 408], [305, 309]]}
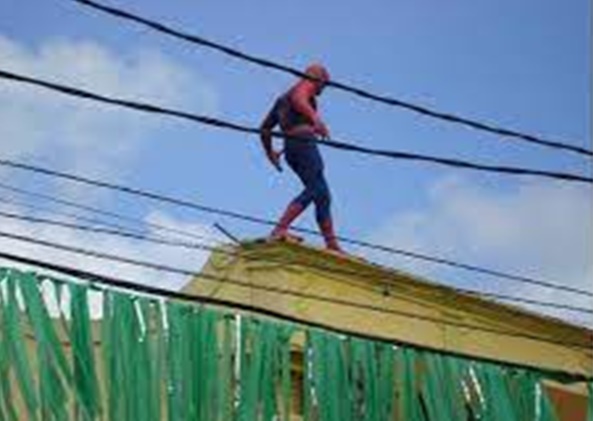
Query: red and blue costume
{"points": [[296, 113]]}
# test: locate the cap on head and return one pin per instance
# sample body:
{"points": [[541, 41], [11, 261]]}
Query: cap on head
{"points": [[317, 71]]}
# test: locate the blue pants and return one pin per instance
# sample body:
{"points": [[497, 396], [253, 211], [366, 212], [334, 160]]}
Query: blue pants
{"points": [[305, 160]]}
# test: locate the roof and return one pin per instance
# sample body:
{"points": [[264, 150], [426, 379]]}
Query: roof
{"points": [[364, 297]]}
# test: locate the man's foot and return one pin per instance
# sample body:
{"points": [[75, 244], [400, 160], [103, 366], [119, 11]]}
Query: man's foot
{"points": [[285, 236], [345, 255], [336, 250], [329, 236]]}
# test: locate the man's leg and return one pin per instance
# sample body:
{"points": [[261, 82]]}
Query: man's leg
{"points": [[323, 213], [292, 212], [298, 164]]}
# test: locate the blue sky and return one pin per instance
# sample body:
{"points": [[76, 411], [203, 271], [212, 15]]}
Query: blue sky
{"points": [[525, 65]]}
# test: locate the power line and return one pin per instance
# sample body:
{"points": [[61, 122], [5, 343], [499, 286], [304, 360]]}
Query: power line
{"points": [[109, 231], [205, 247], [336, 144], [101, 224], [257, 220], [95, 210], [276, 290], [95, 279], [385, 99], [124, 232]]}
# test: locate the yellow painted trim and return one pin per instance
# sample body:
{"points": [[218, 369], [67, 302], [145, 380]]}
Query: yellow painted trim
{"points": [[284, 265]]}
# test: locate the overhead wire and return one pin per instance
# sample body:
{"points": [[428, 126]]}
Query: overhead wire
{"points": [[136, 235], [257, 220], [221, 250], [507, 134], [340, 145], [437, 260], [119, 232], [102, 212], [11, 203], [281, 291], [332, 143]]}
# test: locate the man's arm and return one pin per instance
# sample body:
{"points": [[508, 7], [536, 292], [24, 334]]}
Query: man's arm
{"points": [[301, 101], [266, 127]]}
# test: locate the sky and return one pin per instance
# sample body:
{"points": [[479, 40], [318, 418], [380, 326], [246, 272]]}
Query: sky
{"points": [[523, 65]]}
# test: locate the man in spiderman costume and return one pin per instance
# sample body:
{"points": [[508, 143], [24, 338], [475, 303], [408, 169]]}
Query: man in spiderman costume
{"points": [[296, 113]]}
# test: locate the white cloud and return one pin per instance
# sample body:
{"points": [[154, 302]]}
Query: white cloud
{"points": [[176, 257], [118, 246], [80, 135], [539, 229], [93, 139]]}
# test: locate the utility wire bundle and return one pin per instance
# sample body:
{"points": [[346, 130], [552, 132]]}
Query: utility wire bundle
{"points": [[382, 98], [238, 127], [337, 144]]}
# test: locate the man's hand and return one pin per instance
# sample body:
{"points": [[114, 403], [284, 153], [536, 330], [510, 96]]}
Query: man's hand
{"points": [[321, 129], [274, 158]]}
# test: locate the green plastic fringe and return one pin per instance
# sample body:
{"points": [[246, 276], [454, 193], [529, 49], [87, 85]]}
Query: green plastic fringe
{"points": [[151, 359]]}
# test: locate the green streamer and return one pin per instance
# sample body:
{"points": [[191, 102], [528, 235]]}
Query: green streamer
{"points": [[16, 349], [179, 362], [548, 412], [226, 388], [85, 377], [285, 370], [523, 386], [156, 350], [407, 389], [111, 380], [43, 326], [590, 401], [178, 381], [308, 384], [7, 410], [498, 399]]}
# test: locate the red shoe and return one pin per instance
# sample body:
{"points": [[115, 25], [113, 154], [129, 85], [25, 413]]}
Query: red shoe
{"points": [[285, 236], [331, 242], [290, 214]]}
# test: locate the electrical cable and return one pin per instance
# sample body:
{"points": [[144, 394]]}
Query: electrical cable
{"points": [[336, 144], [136, 235], [102, 212], [385, 99], [205, 247], [276, 290], [247, 218]]}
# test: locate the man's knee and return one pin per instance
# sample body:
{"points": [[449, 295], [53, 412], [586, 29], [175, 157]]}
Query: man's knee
{"points": [[322, 195], [304, 198], [322, 190]]}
